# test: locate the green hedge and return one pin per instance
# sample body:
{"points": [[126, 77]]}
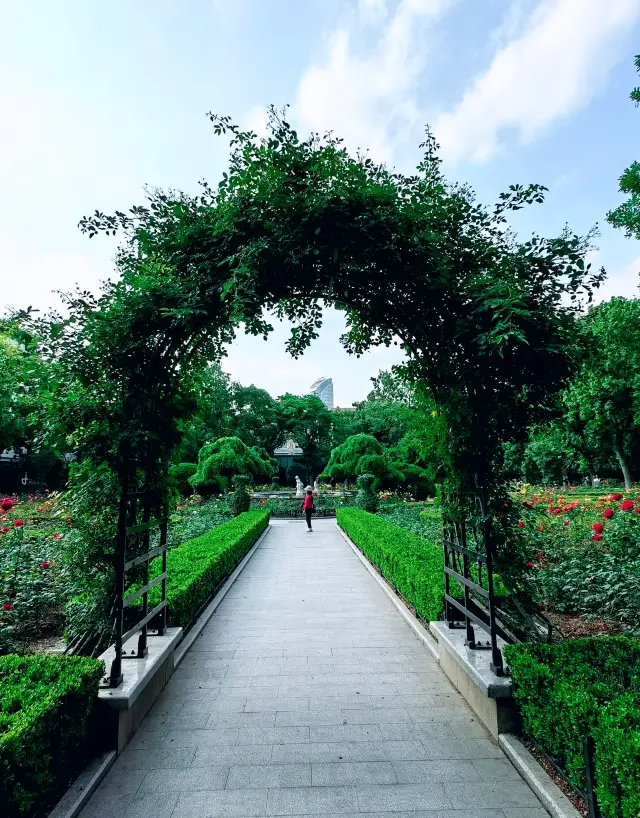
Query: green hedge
{"points": [[412, 564], [585, 687], [197, 567], [45, 705]]}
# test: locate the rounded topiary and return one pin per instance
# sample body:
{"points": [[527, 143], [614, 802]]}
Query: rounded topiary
{"points": [[179, 477], [240, 499], [275, 484], [366, 498]]}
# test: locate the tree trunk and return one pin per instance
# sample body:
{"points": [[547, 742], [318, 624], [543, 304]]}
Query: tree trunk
{"points": [[626, 471]]}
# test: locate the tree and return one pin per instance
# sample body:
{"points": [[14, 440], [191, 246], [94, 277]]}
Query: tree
{"points": [[210, 391], [606, 392], [307, 421], [627, 215], [255, 417], [219, 462], [392, 386]]}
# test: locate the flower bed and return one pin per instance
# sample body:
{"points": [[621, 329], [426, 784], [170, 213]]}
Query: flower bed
{"points": [[412, 564], [199, 566], [585, 553], [45, 708], [586, 687]]}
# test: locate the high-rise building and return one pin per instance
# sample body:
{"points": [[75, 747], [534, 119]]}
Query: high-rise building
{"points": [[323, 388]]}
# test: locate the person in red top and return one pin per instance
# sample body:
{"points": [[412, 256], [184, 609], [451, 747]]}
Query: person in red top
{"points": [[307, 507]]}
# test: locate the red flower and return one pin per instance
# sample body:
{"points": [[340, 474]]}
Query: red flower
{"points": [[4, 529], [7, 606], [45, 564], [6, 504], [18, 523], [617, 497], [627, 505], [597, 537], [506, 505], [261, 500], [521, 525], [566, 522], [555, 511], [540, 528], [529, 565], [598, 528], [608, 513], [602, 626]]}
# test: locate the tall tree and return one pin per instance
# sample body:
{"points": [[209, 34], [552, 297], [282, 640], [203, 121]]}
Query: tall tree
{"points": [[307, 421], [255, 417]]}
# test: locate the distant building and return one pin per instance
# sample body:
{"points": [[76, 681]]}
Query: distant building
{"points": [[323, 389]]}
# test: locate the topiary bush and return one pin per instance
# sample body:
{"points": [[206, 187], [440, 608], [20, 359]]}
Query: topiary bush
{"points": [[179, 477], [240, 499], [580, 688], [412, 564], [46, 703], [366, 498]]}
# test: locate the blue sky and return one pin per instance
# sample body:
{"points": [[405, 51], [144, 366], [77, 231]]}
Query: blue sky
{"points": [[98, 99]]}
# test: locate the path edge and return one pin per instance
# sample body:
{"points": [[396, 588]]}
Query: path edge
{"points": [[542, 785], [414, 623], [196, 629], [77, 796]]}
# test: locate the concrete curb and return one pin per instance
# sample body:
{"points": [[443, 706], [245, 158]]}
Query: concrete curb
{"points": [[195, 631], [420, 631], [550, 795], [77, 796]]}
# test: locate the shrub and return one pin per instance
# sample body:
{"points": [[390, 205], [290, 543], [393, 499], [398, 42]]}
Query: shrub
{"points": [[197, 567], [578, 688], [366, 498], [240, 499], [412, 564], [179, 477], [45, 706]]}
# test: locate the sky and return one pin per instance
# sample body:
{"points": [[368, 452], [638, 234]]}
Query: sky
{"points": [[99, 99]]}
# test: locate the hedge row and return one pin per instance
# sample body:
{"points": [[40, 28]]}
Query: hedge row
{"points": [[579, 688], [45, 707], [197, 567], [412, 564]]}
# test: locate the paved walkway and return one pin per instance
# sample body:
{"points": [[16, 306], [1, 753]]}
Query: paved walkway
{"points": [[307, 693]]}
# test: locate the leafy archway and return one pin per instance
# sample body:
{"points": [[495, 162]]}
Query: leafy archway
{"points": [[297, 223]]}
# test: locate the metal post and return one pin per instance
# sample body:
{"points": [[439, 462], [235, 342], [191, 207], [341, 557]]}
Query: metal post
{"points": [[497, 665], [162, 624], [589, 768], [143, 650], [115, 676]]}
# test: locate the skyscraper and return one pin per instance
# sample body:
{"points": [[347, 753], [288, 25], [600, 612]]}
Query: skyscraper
{"points": [[323, 388]]}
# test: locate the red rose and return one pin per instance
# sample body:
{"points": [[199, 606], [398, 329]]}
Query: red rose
{"points": [[555, 511], [4, 529], [597, 537], [7, 606], [617, 497], [6, 504], [608, 513], [628, 504], [261, 500], [45, 564], [529, 565], [540, 528], [18, 523], [520, 525], [598, 528], [566, 522], [58, 536]]}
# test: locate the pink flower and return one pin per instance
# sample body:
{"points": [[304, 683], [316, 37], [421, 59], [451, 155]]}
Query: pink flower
{"points": [[6, 504], [7, 606], [45, 564], [529, 565], [4, 529], [56, 536]]}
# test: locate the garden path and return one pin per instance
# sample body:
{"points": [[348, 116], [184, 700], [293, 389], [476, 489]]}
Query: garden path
{"points": [[308, 693]]}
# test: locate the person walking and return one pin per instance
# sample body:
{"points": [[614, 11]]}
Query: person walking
{"points": [[307, 507]]}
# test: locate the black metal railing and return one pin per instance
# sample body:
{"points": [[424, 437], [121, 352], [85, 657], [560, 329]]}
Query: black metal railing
{"points": [[588, 794], [132, 559], [468, 561]]}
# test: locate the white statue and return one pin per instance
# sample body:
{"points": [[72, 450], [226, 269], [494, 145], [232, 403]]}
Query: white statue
{"points": [[316, 487], [299, 487]]}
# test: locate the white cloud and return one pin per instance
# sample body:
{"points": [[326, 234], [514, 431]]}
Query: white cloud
{"points": [[551, 69], [364, 90], [624, 282]]}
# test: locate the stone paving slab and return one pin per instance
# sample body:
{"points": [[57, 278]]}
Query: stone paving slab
{"points": [[307, 694]]}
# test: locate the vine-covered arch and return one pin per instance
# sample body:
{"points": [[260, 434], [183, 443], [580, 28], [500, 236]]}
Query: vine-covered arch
{"points": [[298, 223]]}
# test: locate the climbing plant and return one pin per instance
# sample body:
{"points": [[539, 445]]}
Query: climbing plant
{"points": [[297, 223]]}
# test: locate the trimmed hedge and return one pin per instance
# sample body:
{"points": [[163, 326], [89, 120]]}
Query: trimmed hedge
{"points": [[197, 567], [412, 564], [585, 687], [46, 703]]}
